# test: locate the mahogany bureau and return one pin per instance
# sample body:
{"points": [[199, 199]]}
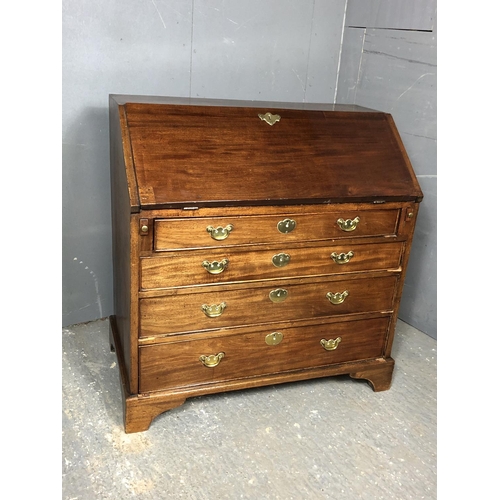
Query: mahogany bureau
{"points": [[253, 244]]}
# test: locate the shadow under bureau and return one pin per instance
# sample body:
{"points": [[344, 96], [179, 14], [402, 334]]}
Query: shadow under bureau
{"points": [[253, 244]]}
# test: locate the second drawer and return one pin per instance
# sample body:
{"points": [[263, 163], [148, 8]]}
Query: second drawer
{"points": [[191, 267]]}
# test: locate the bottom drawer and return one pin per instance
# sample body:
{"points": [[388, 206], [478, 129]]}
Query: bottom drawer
{"points": [[178, 364]]}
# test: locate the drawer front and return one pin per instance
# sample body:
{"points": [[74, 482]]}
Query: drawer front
{"points": [[178, 364], [191, 267], [214, 309], [170, 234]]}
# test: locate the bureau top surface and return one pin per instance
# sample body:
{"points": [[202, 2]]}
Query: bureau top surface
{"points": [[205, 154]]}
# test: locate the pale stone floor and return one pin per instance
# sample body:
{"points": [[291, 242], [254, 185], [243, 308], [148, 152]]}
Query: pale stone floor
{"points": [[328, 438]]}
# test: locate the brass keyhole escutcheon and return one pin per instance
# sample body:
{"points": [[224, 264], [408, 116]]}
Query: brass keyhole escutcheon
{"points": [[286, 226], [274, 338], [281, 259], [269, 118], [278, 295]]}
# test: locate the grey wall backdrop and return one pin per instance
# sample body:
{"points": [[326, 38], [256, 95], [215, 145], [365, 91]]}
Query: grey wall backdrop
{"points": [[329, 51], [389, 63]]}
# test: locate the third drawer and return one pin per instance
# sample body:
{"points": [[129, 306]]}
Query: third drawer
{"points": [[226, 307]]}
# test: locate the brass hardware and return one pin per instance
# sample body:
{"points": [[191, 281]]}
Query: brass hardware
{"points": [[215, 267], [281, 259], [144, 226], [348, 225], [214, 310], [286, 226], [342, 258], [270, 118], [219, 233], [337, 298], [274, 338], [212, 360], [330, 345], [278, 295], [409, 213]]}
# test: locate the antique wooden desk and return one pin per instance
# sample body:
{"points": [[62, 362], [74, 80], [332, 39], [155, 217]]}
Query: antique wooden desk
{"points": [[253, 244]]}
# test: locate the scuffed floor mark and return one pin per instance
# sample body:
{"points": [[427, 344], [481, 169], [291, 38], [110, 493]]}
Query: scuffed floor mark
{"points": [[141, 486], [128, 443]]}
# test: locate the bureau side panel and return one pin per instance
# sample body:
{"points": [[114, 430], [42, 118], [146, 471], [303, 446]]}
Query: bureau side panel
{"points": [[406, 229], [416, 186], [121, 242]]}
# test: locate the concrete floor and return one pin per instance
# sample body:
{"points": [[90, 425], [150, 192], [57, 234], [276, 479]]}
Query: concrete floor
{"points": [[329, 438]]}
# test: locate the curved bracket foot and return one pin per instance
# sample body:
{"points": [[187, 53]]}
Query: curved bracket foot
{"points": [[379, 376], [140, 412]]}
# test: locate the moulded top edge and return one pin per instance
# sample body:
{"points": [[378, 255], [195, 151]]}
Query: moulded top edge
{"points": [[123, 99]]}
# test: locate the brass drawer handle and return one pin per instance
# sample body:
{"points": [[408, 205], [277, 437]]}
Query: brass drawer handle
{"points": [[214, 310], [278, 295], [281, 259], [337, 298], [212, 360], [342, 258], [348, 225], [274, 338], [286, 226], [215, 267], [330, 345], [219, 233]]}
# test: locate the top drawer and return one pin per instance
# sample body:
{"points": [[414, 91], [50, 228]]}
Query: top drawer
{"points": [[195, 232]]}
